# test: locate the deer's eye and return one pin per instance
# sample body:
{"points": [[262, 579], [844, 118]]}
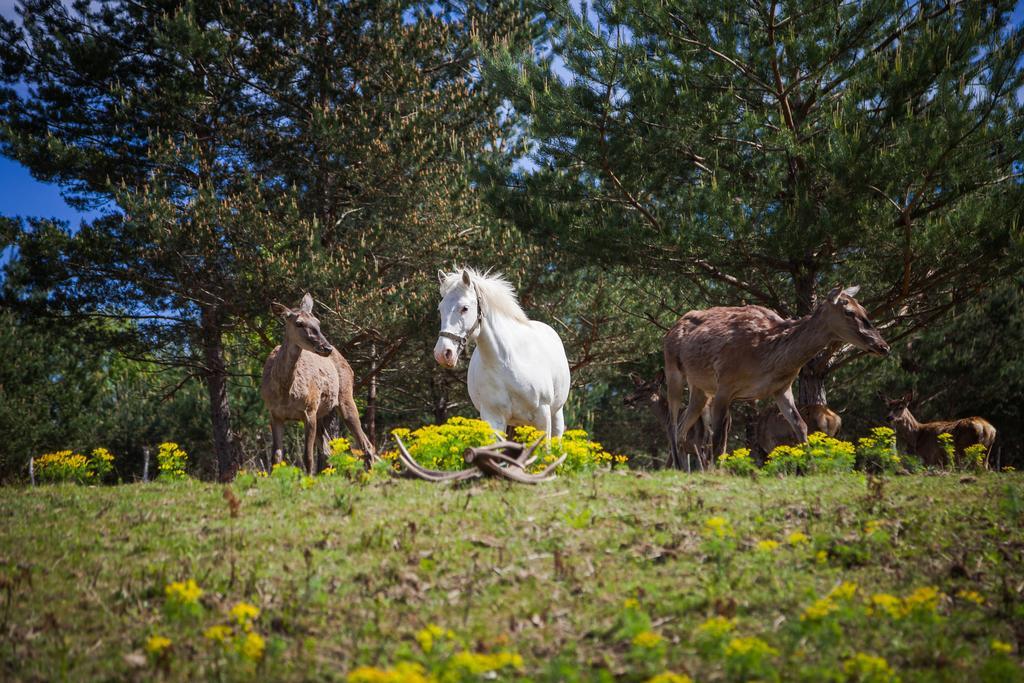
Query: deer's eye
{"points": [[300, 325]]}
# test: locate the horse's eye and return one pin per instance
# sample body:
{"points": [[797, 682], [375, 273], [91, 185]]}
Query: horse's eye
{"points": [[465, 309]]}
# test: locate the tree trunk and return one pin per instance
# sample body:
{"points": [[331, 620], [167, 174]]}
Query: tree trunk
{"points": [[811, 386], [216, 377]]}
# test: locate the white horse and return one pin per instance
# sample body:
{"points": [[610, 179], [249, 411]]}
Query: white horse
{"points": [[518, 374]]}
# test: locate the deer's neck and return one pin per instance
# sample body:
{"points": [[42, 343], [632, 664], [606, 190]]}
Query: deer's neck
{"points": [[284, 365], [906, 427], [800, 342]]}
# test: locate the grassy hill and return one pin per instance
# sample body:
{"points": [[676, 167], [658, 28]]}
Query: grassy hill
{"points": [[615, 575]]}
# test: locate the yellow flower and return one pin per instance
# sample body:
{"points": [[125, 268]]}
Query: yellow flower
{"points": [[796, 538], [1002, 648], [426, 636], [924, 599], [741, 647], [328, 472], [872, 525], [157, 645], [819, 609], [767, 546], [865, 667], [889, 604], [244, 614], [404, 672], [219, 633], [647, 639], [716, 627], [631, 603], [253, 646], [186, 592], [477, 663], [821, 557], [844, 591], [718, 527], [670, 677], [971, 596]]}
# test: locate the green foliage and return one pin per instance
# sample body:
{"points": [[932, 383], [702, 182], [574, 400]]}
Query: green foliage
{"points": [[172, 460], [877, 453], [738, 462], [820, 455]]}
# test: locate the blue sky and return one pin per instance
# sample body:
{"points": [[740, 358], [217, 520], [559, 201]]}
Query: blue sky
{"points": [[23, 195]]}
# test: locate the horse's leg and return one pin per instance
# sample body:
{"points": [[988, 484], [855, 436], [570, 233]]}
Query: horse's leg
{"points": [[497, 422], [787, 405], [311, 439], [558, 423], [277, 440], [719, 423], [694, 410], [674, 381], [350, 414], [543, 420]]}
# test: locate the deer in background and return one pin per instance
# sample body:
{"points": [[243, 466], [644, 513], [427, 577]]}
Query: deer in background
{"points": [[744, 353], [304, 379], [922, 438], [649, 392], [774, 430]]}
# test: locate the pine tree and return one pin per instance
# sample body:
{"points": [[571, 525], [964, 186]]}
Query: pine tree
{"points": [[764, 152], [246, 152]]}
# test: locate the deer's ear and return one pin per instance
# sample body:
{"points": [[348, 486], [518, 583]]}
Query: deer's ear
{"points": [[636, 379], [280, 310], [834, 294], [465, 278], [851, 291], [307, 303], [660, 377]]}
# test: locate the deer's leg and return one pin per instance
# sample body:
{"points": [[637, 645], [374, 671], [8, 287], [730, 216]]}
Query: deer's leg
{"points": [[788, 408], [719, 424], [277, 440], [311, 439], [350, 414], [557, 423], [692, 416], [674, 381]]}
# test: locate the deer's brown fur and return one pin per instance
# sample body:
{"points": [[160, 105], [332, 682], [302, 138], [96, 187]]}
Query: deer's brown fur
{"points": [[774, 430], [727, 354], [304, 379], [922, 438]]}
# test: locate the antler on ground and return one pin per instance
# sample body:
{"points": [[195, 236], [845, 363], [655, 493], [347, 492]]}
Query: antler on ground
{"points": [[494, 460]]}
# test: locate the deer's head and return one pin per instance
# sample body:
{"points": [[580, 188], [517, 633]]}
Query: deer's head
{"points": [[848, 321], [302, 328], [899, 408], [645, 391]]}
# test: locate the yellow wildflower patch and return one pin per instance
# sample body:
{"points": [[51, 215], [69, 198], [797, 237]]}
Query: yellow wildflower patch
{"points": [[971, 596], [647, 639], [1001, 647], [185, 592], [670, 677], [865, 667], [478, 663], [404, 672], [716, 627], [742, 647], [431, 633], [244, 614], [797, 537], [253, 647], [631, 603], [157, 645], [717, 527], [767, 546], [886, 603], [219, 633]]}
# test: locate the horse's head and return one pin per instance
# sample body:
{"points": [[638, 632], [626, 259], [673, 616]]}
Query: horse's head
{"points": [[302, 328], [460, 317]]}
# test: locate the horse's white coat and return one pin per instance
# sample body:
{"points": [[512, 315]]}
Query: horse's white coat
{"points": [[518, 374]]}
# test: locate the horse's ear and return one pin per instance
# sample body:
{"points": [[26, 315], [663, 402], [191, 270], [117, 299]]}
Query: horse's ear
{"points": [[307, 303], [440, 277], [465, 278], [851, 291]]}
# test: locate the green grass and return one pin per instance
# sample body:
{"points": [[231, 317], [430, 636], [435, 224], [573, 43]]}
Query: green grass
{"points": [[347, 575]]}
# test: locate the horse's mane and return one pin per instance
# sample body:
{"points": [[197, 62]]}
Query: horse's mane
{"points": [[496, 292]]}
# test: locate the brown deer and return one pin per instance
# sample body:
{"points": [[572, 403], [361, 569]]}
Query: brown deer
{"points": [[922, 438], [774, 430], [304, 379], [650, 392], [745, 353]]}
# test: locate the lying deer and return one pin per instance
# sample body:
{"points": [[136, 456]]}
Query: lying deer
{"points": [[697, 442], [727, 354], [774, 430], [304, 379], [922, 438]]}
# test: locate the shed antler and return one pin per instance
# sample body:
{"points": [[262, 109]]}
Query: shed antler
{"points": [[506, 459]]}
